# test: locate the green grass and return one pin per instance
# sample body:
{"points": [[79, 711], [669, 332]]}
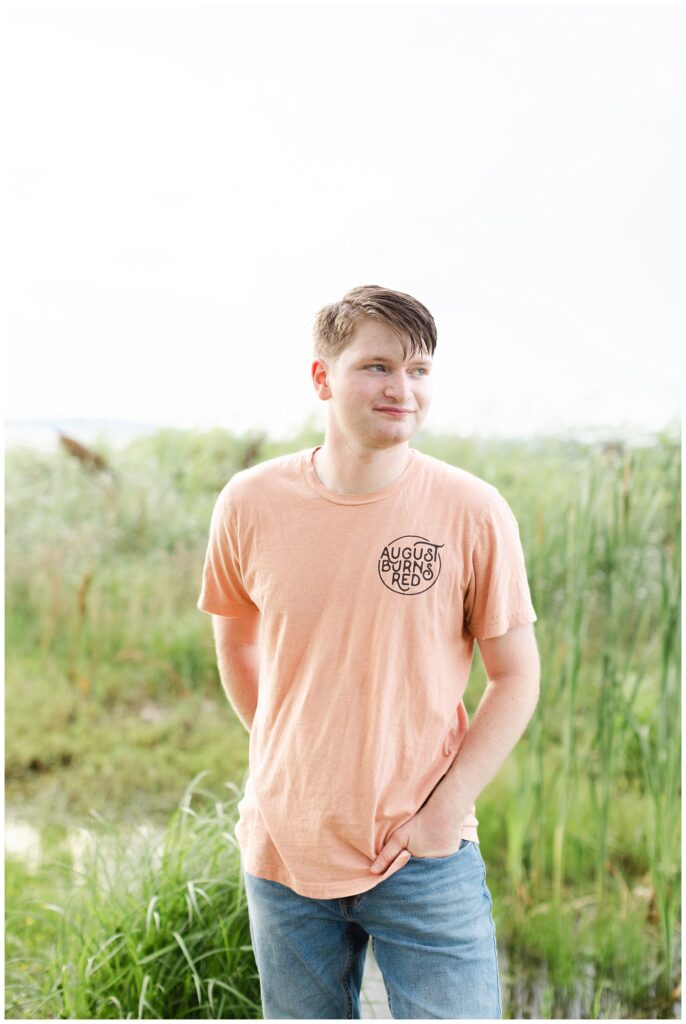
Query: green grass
{"points": [[136, 932], [131, 752], [113, 701]]}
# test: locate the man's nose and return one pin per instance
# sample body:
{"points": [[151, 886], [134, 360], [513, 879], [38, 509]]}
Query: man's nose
{"points": [[397, 385]]}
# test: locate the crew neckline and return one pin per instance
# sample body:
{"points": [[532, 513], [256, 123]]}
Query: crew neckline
{"points": [[338, 498]]}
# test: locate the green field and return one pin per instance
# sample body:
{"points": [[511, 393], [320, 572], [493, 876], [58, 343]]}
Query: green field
{"points": [[113, 708]]}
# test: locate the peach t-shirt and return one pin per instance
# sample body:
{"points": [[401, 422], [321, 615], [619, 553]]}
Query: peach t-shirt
{"points": [[370, 605]]}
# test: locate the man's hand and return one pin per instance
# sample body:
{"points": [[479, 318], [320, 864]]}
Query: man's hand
{"points": [[429, 833]]}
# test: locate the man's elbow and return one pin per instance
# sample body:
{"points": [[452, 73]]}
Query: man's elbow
{"points": [[523, 686]]}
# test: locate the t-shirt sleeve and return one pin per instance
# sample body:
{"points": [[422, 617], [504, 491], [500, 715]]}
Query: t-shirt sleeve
{"points": [[497, 596], [223, 589]]}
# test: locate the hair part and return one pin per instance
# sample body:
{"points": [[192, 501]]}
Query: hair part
{"points": [[412, 322]]}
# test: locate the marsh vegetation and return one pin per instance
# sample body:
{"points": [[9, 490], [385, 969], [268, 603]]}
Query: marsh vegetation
{"points": [[115, 719]]}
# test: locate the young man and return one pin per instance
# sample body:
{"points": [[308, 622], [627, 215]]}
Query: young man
{"points": [[348, 583]]}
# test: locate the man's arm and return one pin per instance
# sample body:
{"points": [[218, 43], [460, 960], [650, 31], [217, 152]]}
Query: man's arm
{"points": [[514, 672], [237, 644], [513, 669]]}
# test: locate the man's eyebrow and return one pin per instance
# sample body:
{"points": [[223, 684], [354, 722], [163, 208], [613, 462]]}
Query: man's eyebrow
{"points": [[384, 359]]}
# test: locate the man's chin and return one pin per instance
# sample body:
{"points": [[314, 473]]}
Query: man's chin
{"points": [[391, 438]]}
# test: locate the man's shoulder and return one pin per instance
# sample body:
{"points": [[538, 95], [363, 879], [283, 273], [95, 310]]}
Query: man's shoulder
{"points": [[472, 491], [259, 479]]}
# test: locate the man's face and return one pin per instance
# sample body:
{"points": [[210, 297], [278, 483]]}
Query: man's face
{"points": [[376, 398]]}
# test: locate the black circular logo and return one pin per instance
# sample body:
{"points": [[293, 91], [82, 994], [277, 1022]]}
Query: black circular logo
{"points": [[410, 564]]}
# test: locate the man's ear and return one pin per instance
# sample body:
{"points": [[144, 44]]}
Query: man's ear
{"points": [[320, 378]]}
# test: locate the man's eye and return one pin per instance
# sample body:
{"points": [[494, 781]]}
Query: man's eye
{"points": [[372, 365]]}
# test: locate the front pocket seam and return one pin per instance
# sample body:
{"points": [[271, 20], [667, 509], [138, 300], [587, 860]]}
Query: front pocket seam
{"points": [[447, 856]]}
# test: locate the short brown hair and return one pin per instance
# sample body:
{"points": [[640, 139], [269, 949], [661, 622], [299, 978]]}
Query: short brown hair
{"points": [[335, 323]]}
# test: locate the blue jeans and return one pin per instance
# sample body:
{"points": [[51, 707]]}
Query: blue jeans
{"points": [[432, 932]]}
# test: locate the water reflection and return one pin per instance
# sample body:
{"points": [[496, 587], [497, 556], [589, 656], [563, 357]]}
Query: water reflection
{"points": [[26, 843]]}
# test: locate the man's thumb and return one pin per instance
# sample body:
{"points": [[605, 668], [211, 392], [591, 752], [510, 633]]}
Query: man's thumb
{"points": [[390, 852]]}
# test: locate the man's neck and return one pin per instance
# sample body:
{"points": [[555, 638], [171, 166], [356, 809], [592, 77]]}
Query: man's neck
{"points": [[349, 470]]}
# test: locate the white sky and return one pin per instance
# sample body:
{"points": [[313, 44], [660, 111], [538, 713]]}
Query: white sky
{"points": [[189, 184]]}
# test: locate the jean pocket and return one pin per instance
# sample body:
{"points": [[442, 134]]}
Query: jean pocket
{"points": [[463, 843]]}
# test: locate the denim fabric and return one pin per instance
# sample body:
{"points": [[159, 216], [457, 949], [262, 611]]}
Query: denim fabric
{"points": [[432, 932]]}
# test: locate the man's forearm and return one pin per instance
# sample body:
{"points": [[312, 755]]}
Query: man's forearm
{"points": [[239, 673], [499, 721]]}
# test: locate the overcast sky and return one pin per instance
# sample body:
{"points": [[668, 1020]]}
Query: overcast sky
{"points": [[190, 183]]}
